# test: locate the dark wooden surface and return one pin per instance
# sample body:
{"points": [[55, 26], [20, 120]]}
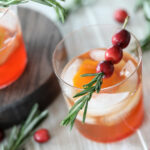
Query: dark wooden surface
{"points": [[38, 83]]}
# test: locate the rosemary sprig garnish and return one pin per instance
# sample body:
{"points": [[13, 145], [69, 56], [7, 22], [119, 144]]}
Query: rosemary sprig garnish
{"points": [[60, 11], [85, 95], [18, 136]]}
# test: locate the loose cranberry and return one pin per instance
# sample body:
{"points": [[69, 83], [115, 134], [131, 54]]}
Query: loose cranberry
{"points": [[41, 135], [121, 39], [114, 54], [1, 135], [120, 15], [106, 67]]}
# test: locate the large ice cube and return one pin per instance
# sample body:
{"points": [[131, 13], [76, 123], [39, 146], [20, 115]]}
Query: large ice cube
{"points": [[126, 108], [111, 108], [102, 104], [68, 74]]}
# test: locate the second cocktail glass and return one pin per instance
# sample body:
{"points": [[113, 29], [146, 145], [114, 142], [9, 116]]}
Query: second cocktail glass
{"points": [[13, 57]]}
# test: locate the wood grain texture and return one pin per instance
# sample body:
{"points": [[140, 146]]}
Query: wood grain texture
{"points": [[38, 83]]}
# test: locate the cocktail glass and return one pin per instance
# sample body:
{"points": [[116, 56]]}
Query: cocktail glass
{"points": [[117, 111]]}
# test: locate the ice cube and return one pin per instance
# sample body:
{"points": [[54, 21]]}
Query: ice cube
{"points": [[8, 50], [70, 70], [97, 54], [128, 68], [130, 83]]}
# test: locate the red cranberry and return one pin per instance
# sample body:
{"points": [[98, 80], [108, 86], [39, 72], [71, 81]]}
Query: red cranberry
{"points": [[1, 135], [120, 15], [106, 67], [41, 136], [114, 54], [121, 39]]}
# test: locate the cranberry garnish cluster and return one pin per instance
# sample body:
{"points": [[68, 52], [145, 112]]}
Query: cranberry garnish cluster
{"points": [[114, 54], [104, 69]]}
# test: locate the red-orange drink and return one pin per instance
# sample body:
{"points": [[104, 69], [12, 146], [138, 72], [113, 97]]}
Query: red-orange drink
{"points": [[13, 56], [115, 112]]}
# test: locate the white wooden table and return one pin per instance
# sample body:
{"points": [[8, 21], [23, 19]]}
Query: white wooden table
{"points": [[62, 138]]}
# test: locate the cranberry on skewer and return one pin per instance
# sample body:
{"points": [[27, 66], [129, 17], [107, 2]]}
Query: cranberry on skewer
{"points": [[106, 67], [120, 15], [121, 39], [114, 54]]}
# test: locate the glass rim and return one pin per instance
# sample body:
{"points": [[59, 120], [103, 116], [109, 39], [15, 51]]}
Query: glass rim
{"points": [[5, 11], [102, 89]]}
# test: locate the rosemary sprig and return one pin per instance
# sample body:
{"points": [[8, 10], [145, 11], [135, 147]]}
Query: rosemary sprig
{"points": [[144, 5], [18, 136], [85, 95], [60, 11]]}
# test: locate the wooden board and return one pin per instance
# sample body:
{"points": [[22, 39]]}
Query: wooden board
{"points": [[38, 83]]}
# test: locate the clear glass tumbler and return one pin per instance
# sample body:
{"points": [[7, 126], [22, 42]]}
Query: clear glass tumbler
{"points": [[13, 57], [117, 111]]}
